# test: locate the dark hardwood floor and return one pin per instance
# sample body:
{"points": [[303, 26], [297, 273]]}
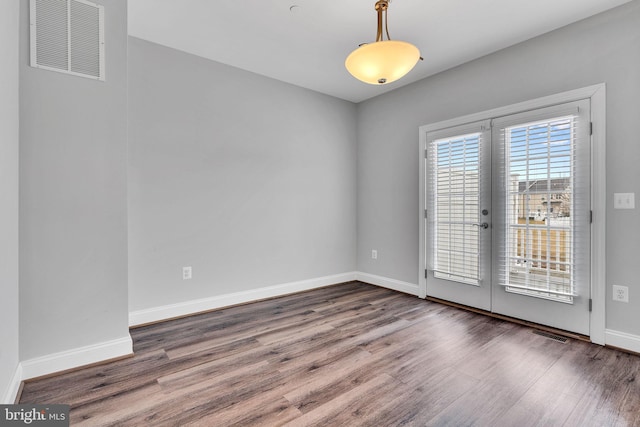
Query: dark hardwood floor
{"points": [[350, 355]]}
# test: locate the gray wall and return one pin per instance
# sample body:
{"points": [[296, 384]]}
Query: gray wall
{"points": [[249, 180], [73, 219], [9, 78], [604, 48]]}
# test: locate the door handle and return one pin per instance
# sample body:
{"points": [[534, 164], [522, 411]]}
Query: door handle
{"points": [[482, 225]]}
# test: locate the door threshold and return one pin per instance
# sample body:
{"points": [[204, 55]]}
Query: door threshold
{"points": [[533, 325]]}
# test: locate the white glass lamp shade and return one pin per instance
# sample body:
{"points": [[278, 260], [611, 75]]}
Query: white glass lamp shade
{"points": [[382, 62]]}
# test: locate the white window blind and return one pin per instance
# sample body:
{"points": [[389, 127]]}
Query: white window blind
{"points": [[453, 205], [544, 237]]}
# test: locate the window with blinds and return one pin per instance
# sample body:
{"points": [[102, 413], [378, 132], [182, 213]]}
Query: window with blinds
{"points": [[539, 176], [454, 185]]}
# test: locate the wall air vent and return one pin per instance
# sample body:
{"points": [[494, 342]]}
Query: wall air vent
{"points": [[68, 36]]}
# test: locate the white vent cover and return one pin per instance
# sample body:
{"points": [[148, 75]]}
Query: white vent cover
{"points": [[68, 36]]}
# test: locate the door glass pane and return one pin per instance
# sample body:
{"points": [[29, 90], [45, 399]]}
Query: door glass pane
{"points": [[539, 208], [456, 164]]}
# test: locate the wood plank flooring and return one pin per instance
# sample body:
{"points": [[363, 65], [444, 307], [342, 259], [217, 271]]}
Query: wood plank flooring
{"points": [[349, 355]]}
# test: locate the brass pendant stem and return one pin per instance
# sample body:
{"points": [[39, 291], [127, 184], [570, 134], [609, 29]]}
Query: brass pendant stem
{"points": [[381, 8]]}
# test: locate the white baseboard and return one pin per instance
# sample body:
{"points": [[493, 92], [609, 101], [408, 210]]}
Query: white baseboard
{"points": [[76, 357], [385, 282], [14, 386], [156, 314], [622, 340]]}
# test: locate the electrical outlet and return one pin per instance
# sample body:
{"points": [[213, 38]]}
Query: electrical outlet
{"points": [[620, 293], [374, 254], [187, 273]]}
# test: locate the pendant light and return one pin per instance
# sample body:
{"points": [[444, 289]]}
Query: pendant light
{"points": [[383, 61]]}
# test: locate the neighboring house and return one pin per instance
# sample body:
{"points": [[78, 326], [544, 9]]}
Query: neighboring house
{"points": [[538, 200]]}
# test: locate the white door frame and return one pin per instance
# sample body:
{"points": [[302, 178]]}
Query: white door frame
{"points": [[596, 94]]}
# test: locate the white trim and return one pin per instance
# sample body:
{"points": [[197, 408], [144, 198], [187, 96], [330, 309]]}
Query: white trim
{"points": [[422, 220], [385, 282], [156, 314], [599, 209], [11, 393], [520, 107], [76, 357], [622, 340], [596, 93]]}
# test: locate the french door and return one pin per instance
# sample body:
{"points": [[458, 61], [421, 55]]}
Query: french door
{"points": [[458, 214], [507, 215]]}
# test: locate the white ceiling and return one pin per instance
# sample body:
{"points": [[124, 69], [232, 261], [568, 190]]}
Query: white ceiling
{"points": [[307, 47]]}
